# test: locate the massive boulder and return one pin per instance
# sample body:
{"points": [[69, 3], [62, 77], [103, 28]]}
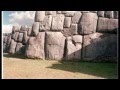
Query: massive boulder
{"points": [[25, 38], [35, 46], [73, 47], [20, 49], [73, 30], [109, 14], [39, 16], [67, 22], [20, 37], [54, 45], [76, 17], [46, 24], [101, 13], [57, 22], [88, 23], [107, 25], [35, 28], [98, 45], [12, 47]]}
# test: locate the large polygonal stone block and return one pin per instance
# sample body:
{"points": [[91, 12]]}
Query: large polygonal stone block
{"points": [[73, 48], [107, 25], [46, 24], [99, 45], [39, 16], [12, 47], [35, 46], [88, 23], [57, 22], [54, 45]]}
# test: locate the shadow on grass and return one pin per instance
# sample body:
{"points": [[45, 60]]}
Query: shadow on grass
{"points": [[104, 70], [14, 56]]}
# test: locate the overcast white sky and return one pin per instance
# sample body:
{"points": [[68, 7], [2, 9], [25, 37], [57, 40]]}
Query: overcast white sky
{"points": [[10, 18]]}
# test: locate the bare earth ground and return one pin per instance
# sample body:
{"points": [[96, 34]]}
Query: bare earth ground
{"points": [[14, 68]]}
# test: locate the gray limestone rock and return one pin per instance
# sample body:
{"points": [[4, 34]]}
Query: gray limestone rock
{"points": [[99, 45], [107, 25], [35, 46], [73, 48], [57, 22], [55, 42], [88, 23]]}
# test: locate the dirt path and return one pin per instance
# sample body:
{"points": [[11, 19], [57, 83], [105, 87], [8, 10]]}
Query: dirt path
{"points": [[33, 69]]}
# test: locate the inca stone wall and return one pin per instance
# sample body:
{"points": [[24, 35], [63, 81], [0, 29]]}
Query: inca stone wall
{"points": [[65, 35]]}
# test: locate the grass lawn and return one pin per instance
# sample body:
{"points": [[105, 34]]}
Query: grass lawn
{"points": [[28, 68]]}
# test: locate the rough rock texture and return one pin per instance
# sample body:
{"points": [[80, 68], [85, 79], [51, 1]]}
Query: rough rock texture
{"points": [[101, 13], [107, 25], [29, 31], [57, 22], [20, 37], [46, 24], [76, 17], [63, 34], [67, 22], [35, 28], [109, 14], [12, 47], [20, 49], [54, 45], [35, 46], [70, 31], [88, 23], [39, 16], [73, 48], [25, 38], [99, 45]]}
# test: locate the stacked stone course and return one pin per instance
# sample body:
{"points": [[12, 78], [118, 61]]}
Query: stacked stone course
{"points": [[66, 35]]}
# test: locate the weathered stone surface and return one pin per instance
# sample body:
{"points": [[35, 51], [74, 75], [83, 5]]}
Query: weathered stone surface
{"points": [[69, 14], [73, 48], [107, 25], [35, 46], [15, 28], [94, 11], [35, 28], [29, 31], [8, 39], [23, 28], [25, 38], [12, 47], [39, 16], [59, 12], [20, 49], [67, 22], [101, 13], [88, 23], [109, 14], [74, 29], [46, 24], [76, 17], [116, 14], [16, 36], [5, 39], [84, 11], [20, 37], [70, 31], [51, 13], [64, 12], [57, 22], [99, 45], [54, 45]]}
